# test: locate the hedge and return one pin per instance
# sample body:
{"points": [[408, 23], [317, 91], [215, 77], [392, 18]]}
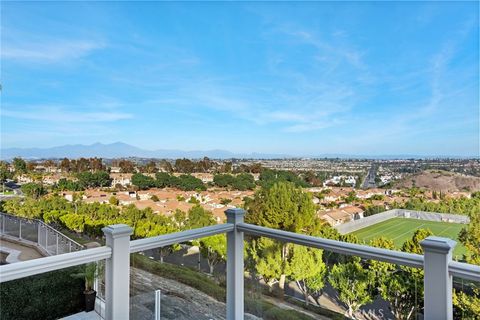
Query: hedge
{"points": [[45, 296]]}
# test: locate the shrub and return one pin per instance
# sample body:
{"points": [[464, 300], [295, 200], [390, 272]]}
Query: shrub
{"points": [[51, 295]]}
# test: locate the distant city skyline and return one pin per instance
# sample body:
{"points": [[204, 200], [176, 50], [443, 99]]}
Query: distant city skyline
{"points": [[309, 78]]}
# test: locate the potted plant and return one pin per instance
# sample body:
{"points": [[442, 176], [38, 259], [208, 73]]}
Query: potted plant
{"points": [[89, 274]]}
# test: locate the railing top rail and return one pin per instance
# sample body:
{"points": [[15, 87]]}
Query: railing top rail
{"points": [[32, 267], [44, 225], [464, 270], [177, 237], [367, 252], [37, 266]]}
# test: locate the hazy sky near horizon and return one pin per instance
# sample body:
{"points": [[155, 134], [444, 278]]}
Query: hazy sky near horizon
{"points": [[272, 77]]}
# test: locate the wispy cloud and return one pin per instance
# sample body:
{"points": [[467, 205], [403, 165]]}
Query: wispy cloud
{"points": [[62, 114], [48, 50]]}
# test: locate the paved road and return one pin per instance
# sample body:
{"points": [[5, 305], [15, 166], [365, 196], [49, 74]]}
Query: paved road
{"points": [[369, 181]]}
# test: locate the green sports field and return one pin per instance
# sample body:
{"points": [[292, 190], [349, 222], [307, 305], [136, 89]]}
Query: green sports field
{"points": [[401, 229]]}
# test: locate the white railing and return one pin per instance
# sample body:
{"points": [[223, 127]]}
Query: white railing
{"points": [[437, 263], [38, 233]]}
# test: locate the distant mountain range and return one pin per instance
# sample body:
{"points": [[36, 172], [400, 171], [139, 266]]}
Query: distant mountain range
{"points": [[123, 150]]}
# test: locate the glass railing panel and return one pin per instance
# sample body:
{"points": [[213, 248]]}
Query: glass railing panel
{"points": [[466, 299], [189, 278], [287, 281], [59, 294]]}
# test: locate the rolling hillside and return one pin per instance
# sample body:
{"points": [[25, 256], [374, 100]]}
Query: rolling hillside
{"points": [[440, 181]]}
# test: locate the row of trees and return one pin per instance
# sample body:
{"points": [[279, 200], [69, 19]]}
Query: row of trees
{"points": [[242, 181], [268, 177], [183, 182], [89, 219], [84, 181]]}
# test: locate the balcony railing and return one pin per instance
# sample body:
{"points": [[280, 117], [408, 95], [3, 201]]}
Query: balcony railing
{"points": [[37, 233], [439, 268]]}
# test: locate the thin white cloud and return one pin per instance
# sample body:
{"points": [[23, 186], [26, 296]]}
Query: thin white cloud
{"points": [[48, 51], [63, 115]]}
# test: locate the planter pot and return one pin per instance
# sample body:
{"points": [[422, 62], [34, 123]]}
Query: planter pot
{"points": [[90, 300]]}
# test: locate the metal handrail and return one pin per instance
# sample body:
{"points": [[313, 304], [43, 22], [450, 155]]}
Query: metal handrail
{"points": [[464, 270], [32, 267], [178, 237], [363, 251]]}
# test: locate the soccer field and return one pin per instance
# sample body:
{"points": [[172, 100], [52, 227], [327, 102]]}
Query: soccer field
{"points": [[401, 229]]}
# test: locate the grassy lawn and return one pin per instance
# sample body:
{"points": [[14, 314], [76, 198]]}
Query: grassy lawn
{"points": [[402, 229]]}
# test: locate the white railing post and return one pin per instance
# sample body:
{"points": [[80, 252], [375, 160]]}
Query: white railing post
{"points": [[158, 294], [117, 272], [20, 229], [235, 273], [437, 280]]}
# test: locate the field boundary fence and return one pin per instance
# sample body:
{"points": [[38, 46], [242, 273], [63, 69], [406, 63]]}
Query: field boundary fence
{"points": [[402, 213]]}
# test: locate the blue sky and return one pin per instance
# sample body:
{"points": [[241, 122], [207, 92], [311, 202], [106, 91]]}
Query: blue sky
{"points": [[292, 78]]}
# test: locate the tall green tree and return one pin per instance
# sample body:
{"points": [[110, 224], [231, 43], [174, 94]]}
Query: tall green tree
{"points": [[286, 207], [19, 165], [214, 249], [198, 217], [307, 269], [34, 190], [351, 280], [143, 182]]}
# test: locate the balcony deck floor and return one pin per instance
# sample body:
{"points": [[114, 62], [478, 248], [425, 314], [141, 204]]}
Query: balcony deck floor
{"points": [[92, 315]]}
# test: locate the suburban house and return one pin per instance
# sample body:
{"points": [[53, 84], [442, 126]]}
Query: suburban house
{"points": [[342, 215]]}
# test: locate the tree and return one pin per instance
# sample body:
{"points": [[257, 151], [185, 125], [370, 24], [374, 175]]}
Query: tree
{"points": [[187, 182], [184, 165], [33, 190], [166, 166], [198, 217], [143, 182], [94, 180], [126, 166], [413, 245], [286, 207], [65, 165], [214, 248], [164, 179], [395, 285], [468, 303], [4, 174], [269, 177], [113, 201], [402, 287], [19, 165], [351, 197], [307, 269], [351, 280], [151, 167], [244, 181], [70, 185]]}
